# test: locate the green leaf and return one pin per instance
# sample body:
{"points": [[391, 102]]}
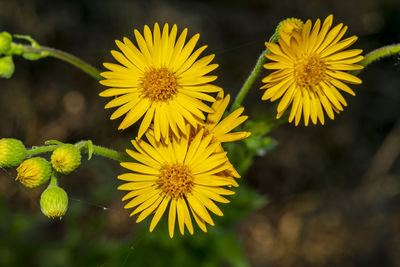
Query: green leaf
{"points": [[53, 142], [90, 149]]}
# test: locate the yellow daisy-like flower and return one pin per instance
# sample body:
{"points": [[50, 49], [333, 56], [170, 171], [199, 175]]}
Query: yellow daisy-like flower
{"points": [[161, 80], [310, 70], [220, 130], [186, 177]]}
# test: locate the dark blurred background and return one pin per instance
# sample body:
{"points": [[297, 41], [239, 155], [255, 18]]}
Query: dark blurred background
{"points": [[333, 191]]}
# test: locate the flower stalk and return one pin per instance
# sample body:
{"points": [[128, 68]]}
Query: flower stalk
{"points": [[377, 54], [64, 56], [83, 147], [254, 76]]}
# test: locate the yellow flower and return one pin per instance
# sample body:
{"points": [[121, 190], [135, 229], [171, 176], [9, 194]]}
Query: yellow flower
{"points": [[66, 158], [310, 70], [289, 28], [162, 81], [186, 177], [220, 131], [34, 172]]}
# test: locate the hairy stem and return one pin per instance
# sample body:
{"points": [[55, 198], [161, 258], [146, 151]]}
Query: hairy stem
{"points": [[254, 75], [53, 181], [377, 54], [83, 147], [73, 60]]}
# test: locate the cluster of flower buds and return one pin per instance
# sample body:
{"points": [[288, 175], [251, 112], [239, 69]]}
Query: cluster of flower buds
{"points": [[8, 49], [35, 171], [6, 61]]}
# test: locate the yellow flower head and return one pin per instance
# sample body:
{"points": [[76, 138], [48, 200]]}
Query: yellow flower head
{"points": [[34, 172], [186, 177], [289, 28], [66, 158], [220, 130], [309, 72], [161, 79], [12, 152]]}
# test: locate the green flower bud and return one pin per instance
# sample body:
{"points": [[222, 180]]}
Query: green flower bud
{"points": [[54, 202], [34, 172], [12, 152], [5, 42], [66, 158], [6, 67]]}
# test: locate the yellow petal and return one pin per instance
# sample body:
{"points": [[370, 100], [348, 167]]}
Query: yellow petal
{"points": [[159, 212], [199, 209], [149, 209], [181, 215], [208, 203], [140, 168], [344, 76], [171, 217]]}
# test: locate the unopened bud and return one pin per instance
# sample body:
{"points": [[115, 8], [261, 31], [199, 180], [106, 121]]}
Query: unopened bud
{"points": [[5, 42], [12, 152], [288, 29], [66, 158], [54, 202], [34, 172], [6, 67]]}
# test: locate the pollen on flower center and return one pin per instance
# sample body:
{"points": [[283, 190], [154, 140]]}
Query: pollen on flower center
{"points": [[309, 71], [175, 180], [159, 84]]}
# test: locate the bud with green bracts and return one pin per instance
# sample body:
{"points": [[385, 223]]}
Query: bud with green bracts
{"points": [[54, 201], [66, 158], [12, 152], [5, 42], [6, 67], [34, 172]]}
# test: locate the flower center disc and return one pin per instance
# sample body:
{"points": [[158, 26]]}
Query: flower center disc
{"points": [[309, 71], [175, 180], [159, 84]]}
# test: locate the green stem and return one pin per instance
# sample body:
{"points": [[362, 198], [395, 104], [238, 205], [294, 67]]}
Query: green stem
{"points": [[377, 54], [250, 81], [53, 181], [73, 60], [83, 147], [106, 152], [255, 73], [40, 149]]}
